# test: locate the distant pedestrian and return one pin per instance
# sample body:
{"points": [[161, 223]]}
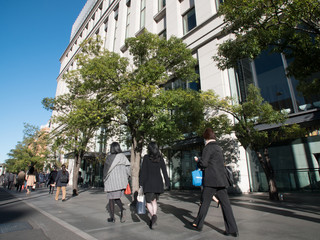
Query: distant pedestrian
{"points": [[31, 179], [215, 183], [20, 180], [115, 174], [10, 180], [151, 179], [62, 180], [52, 179], [2, 177]]}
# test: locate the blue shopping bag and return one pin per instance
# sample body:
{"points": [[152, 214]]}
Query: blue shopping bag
{"points": [[197, 178]]}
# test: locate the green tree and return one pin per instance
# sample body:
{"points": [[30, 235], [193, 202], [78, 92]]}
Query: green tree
{"points": [[143, 110], [248, 118], [289, 27], [31, 150], [78, 114]]}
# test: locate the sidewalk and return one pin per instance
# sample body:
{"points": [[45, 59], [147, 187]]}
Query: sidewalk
{"points": [[297, 217]]}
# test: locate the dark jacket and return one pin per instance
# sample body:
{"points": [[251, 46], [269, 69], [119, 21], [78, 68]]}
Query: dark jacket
{"points": [[150, 175], [58, 182], [212, 163], [52, 177]]}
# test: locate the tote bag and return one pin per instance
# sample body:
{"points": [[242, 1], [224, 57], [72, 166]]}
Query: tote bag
{"points": [[197, 178], [141, 202]]}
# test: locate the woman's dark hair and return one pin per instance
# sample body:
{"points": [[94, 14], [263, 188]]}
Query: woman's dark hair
{"points": [[115, 148], [31, 170], [209, 134], [153, 151]]}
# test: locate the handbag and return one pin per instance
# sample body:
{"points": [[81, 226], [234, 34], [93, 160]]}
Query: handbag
{"points": [[141, 202], [229, 175], [197, 178], [128, 190]]}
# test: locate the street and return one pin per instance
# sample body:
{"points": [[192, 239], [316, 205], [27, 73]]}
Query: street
{"points": [[39, 216]]}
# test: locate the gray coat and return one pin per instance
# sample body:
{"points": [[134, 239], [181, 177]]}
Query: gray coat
{"points": [[116, 178]]}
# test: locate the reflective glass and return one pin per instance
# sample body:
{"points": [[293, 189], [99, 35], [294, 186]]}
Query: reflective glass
{"points": [[272, 81]]}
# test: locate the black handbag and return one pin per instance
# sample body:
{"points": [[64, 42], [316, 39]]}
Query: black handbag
{"points": [[229, 175]]}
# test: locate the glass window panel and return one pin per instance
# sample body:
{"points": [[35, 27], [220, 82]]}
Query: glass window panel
{"points": [[218, 2], [272, 81], [142, 13], [196, 84], [189, 21], [304, 102], [161, 4]]}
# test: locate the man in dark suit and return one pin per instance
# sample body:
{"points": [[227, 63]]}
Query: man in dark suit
{"points": [[214, 183]]}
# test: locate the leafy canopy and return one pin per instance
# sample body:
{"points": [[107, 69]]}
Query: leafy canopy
{"points": [[31, 150], [289, 27], [256, 124]]}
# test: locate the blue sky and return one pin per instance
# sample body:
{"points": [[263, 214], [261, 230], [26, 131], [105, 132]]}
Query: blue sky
{"points": [[33, 36]]}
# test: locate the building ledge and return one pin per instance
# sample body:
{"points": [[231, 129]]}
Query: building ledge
{"points": [[142, 30], [160, 15]]}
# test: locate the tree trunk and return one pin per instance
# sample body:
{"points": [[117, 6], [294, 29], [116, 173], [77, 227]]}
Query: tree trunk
{"points": [[268, 170], [76, 167], [135, 166]]}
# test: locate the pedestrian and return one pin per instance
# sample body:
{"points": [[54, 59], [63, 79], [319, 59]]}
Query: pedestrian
{"points": [[31, 179], [2, 179], [20, 180], [201, 187], [52, 179], [10, 180], [215, 183], [151, 179], [116, 172], [61, 181]]}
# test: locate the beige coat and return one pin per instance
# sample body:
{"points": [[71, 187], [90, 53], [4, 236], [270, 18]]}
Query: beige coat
{"points": [[31, 179]]}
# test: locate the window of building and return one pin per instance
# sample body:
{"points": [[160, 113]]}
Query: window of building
{"points": [[128, 20], [161, 4], [142, 14], [218, 3], [272, 80], [178, 83], [267, 72], [189, 21], [106, 25]]}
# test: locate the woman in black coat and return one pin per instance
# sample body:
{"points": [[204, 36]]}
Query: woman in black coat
{"points": [[151, 179], [52, 179], [215, 182]]}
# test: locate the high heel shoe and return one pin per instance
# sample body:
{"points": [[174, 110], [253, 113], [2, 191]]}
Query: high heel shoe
{"points": [[218, 204]]}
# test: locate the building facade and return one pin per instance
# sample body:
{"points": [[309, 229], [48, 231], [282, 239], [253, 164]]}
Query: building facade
{"points": [[196, 22]]}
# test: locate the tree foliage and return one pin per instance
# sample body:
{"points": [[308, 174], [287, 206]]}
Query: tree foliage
{"points": [[256, 125], [78, 114], [284, 26], [32, 150], [134, 87], [128, 97]]}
